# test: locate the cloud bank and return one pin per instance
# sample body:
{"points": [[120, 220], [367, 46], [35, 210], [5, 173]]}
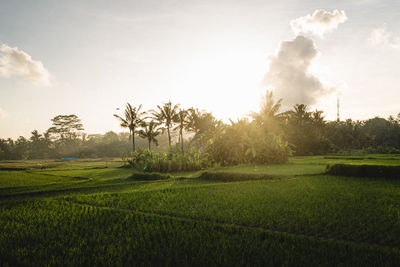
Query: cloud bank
{"points": [[381, 37], [319, 23], [289, 76], [14, 62]]}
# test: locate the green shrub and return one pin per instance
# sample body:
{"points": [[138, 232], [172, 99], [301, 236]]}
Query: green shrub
{"points": [[382, 150], [255, 147], [380, 171], [149, 161]]}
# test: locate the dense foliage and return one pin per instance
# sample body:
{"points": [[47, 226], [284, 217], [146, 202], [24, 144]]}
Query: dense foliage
{"points": [[171, 161], [268, 136], [376, 135], [42, 146], [244, 142]]}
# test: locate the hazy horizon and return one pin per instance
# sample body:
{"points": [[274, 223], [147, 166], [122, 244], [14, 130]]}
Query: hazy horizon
{"points": [[90, 58]]}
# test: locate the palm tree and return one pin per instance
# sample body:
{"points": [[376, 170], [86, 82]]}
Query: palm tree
{"points": [[318, 121], [192, 119], [300, 111], [36, 137], [239, 138], [269, 108], [181, 120], [165, 115], [268, 115], [202, 124], [132, 120], [150, 132], [36, 145], [299, 115]]}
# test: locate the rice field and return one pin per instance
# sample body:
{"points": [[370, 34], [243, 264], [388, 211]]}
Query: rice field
{"points": [[96, 213]]}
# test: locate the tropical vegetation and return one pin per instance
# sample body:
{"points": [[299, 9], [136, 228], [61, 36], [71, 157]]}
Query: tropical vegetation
{"points": [[269, 135]]}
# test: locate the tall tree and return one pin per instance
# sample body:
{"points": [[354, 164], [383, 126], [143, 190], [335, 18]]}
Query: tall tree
{"points": [[36, 145], [165, 115], [21, 148], [66, 126], [66, 129], [150, 131], [6, 147], [181, 120], [133, 119], [300, 113], [202, 124], [268, 116], [318, 121], [298, 129]]}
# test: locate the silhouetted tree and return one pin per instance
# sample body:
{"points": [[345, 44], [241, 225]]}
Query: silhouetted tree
{"points": [[165, 115], [149, 132], [181, 121], [66, 126], [133, 119], [202, 124], [268, 117]]}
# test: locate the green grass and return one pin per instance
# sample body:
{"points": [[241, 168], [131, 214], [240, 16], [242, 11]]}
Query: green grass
{"points": [[238, 176], [313, 164], [62, 233], [57, 164], [278, 169], [97, 175], [358, 159], [42, 181], [78, 214], [322, 206], [25, 179]]}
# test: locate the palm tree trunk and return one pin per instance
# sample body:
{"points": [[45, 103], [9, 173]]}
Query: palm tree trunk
{"points": [[133, 140], [181, 138], [169, 137], [149, 144]]}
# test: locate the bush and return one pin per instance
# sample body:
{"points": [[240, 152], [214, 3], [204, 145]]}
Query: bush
{"points": [[149, 161], [256, 147], [380, 171], [382, 150], [272, 150]]}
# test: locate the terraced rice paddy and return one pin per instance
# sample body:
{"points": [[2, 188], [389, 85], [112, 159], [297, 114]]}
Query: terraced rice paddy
{"points": [[93, 213]]}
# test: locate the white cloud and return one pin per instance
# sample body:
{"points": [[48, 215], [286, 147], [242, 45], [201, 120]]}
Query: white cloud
{"points": [[319, 23], [289, 75], [14, 62], [3, 113], [381, 37]]}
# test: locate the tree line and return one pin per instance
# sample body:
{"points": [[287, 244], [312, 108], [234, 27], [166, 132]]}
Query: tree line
{"points": [[268, 135]]}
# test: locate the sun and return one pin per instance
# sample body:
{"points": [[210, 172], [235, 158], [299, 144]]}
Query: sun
{"points": [[226, 82]]}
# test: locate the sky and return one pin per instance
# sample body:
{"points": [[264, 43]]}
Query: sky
{"points": [[91, 57]]}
